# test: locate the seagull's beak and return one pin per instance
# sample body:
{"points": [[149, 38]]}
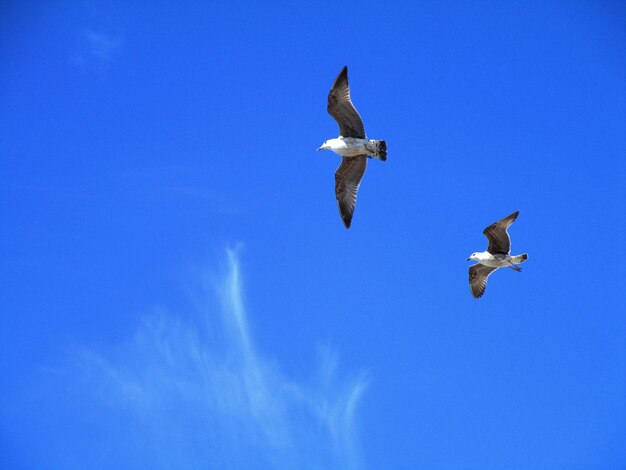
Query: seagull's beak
{"points": [[469, 259], [321, 148]]}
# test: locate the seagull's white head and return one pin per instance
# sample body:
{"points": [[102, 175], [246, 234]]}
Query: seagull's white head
{"points": [[324, 146], [474, 256]]}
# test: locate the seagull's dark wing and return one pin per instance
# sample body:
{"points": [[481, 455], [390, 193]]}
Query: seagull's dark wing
{"points": [[499, 241], [478, 274], [347, 180], [341, 108]]}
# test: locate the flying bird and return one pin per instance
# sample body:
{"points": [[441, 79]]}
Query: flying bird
{"points": [[496, 256], [351, 144]]}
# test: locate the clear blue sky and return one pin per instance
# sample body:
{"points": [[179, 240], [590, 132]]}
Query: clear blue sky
{"points": [[178, 289]]}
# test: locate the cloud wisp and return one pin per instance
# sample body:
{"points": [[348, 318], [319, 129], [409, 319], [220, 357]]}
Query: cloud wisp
{"points": [[97, 50], [198, 394]]}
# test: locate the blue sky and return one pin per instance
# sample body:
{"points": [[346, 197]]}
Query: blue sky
{"points": [[178, 289]]}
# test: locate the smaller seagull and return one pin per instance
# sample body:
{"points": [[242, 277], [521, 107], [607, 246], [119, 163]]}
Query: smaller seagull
{"points": [[351, 144], [496, 256]]}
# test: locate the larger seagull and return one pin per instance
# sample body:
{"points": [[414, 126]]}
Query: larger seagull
{"points": [[496, 256], [351, 144]]}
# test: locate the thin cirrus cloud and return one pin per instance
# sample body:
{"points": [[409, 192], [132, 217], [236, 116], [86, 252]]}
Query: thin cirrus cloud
{"points": [[197, 393], [96, 50]]}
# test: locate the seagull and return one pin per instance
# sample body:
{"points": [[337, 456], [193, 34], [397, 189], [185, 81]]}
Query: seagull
{"points": [[496, 256], [351, 144]]}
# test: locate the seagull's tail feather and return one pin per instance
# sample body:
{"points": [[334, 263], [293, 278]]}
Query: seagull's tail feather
{"points": [[380, 149], [519, 258]]}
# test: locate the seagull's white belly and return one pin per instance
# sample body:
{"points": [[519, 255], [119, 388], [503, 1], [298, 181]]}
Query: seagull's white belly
{"points": [[496, 262], [349, 146]]}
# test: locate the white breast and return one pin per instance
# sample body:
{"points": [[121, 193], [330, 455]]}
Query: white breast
{"points": [[348, 146]]}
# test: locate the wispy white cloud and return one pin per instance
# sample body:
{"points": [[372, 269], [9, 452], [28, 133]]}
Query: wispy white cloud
{"points": [[199, 393], [173, 184], [102, 46], [96, 50]]}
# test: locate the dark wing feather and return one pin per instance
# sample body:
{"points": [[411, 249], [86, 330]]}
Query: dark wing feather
{"points": [[478, 274], [347, 180], [499, 241], [341, 108]]}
